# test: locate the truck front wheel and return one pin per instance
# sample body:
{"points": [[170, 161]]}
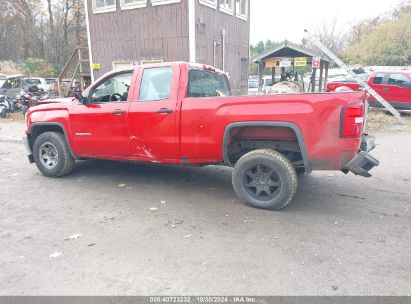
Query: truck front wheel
{"points": [[52, 155], [265, 179]]}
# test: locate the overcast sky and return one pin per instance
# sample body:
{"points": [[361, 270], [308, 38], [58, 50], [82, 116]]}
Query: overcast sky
{"points": [[280, 20]]}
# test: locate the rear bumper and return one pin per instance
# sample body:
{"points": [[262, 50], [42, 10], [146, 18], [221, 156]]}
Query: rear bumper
{"points": [[363, 162], [28, 149], [367, 143]]}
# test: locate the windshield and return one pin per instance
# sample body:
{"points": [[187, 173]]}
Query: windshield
{"points": [[1, 83], [268, 82], [253, 84], [203, 83], [33, 81]]}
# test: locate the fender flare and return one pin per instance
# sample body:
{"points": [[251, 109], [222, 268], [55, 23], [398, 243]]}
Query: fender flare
{"points": [[58, 124], [290, 125]]}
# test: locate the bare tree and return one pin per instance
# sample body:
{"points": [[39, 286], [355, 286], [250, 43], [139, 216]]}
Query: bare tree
{"points": [[330, 34], [48, 29]]}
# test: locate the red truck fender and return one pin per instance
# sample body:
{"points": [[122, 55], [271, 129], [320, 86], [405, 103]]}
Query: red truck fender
{"points": [[293, 127], [37, 128]]}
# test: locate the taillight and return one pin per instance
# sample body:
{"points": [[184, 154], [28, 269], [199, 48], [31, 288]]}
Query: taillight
{"points": [[352, 120]]}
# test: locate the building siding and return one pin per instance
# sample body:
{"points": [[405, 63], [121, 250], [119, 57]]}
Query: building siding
{"points": [[162, 32], [153, 32], [210, 23]]}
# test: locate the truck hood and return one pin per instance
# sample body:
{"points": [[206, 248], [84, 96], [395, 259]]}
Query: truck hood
{"points": [[54, 100], [51, 104]]}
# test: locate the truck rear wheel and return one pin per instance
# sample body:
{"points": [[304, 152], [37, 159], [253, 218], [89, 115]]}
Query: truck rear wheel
{"points": [[265, 179], [52, 155]]}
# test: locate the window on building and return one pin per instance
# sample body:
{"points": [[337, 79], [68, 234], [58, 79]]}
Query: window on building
{"points": [[227, 6], [101, 6], [242, 9], [378, 79], [123, 64], [130, 4], [156, 84], [210, 3], [207, 84], [113, 89], [161, 2]]}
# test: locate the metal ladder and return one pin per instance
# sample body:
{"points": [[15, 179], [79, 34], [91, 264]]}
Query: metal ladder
{"points": [[364, 84]]}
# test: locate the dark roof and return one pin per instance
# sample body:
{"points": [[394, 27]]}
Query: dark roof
{"points": [[289, 49]]}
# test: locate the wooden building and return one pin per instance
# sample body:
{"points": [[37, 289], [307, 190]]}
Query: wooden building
{"points": [[131, 32]]}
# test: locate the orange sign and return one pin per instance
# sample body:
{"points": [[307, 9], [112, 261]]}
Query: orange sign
{"points": [[271, 63]]}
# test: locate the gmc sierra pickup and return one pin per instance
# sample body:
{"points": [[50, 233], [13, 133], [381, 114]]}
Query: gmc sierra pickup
{"points": [[183, 113]]}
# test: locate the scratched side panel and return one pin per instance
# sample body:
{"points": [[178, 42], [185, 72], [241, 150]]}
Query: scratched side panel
{"points": [[317, 115]]}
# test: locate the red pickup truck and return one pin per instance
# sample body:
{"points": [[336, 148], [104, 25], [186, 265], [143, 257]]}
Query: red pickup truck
{"points": [[394, 87], [183, 113]]}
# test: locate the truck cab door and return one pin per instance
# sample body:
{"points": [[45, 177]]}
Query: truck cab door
{"points": [[400, 90], [100, 125], [153, 115], [379, 84]]}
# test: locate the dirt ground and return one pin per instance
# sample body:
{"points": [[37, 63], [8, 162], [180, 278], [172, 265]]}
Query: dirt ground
{"points": [[379, 121], [13, 117], [115, 228]]}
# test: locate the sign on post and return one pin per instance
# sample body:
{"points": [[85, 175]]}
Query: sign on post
{"points": [[316, 62], [285, 62], [300, 61]]}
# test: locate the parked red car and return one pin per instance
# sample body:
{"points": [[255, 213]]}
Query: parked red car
{"points": [[393, 86], [182, 113]]}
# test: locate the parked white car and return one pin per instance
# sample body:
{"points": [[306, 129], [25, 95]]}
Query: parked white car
{"points": [[253, 85], [41, 83]]}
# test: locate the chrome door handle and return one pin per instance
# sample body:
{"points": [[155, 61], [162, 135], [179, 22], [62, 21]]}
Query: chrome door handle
{"points": [[118, 112], [385, 90], [164, 111]]}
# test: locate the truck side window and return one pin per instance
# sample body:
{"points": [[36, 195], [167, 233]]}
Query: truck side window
{"points": [[204, 83], [113, 89], [397, 79], [156, 84], [378, 79]]}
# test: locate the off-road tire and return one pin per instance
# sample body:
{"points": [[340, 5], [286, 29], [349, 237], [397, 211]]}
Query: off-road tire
{"points": [[285, 176], [65, 162]]}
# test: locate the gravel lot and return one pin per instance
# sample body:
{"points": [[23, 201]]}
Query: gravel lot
{"points": [[143, 229]]}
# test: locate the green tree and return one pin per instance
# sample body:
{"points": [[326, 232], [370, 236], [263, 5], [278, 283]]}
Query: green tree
{"points": [[258, 49], [36, 67], [389, 43], [261, 47]]}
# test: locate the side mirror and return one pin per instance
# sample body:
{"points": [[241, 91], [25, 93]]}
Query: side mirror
{"points": [[80, 98]]}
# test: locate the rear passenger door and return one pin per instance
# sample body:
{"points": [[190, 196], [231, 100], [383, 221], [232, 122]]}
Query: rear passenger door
{"points": [[153, 115], [399, 91]]}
